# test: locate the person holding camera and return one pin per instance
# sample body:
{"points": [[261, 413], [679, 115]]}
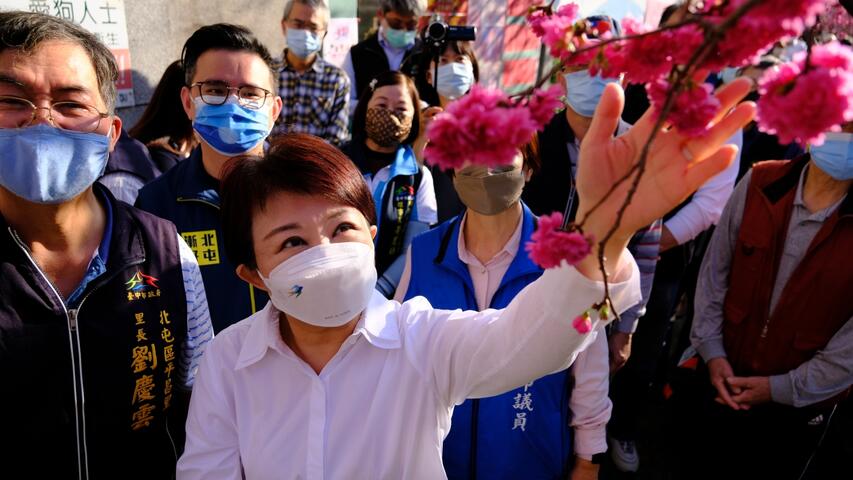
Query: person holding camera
{"points": [[458, 71], [391, 47]]}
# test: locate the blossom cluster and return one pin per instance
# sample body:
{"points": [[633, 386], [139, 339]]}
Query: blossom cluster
{"points": [[649, 56], [550, 245], [821, 94], [487, 128], [693, 107]]}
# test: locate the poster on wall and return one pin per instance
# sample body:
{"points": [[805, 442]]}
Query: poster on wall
{"points": [[454, 12], [104, 18], [343, 34]]}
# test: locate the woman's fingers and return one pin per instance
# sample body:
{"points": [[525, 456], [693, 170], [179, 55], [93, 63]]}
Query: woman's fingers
{"points": [[697, 148], [699, 172], [606, 116], [730, 94]]}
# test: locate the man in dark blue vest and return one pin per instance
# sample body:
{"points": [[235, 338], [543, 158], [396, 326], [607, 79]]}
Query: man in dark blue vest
{"points": [[103, 317], [230, 98]]}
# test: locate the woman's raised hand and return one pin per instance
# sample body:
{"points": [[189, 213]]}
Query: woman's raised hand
{"points": [[676, 166]]}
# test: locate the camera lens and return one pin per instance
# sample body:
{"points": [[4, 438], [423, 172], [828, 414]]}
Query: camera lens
{"points": [[437, 31]]}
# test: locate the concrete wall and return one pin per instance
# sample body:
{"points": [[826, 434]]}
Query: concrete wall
{"points": [[157, 30]]}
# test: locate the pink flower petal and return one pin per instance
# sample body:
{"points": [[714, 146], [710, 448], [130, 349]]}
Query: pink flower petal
{"points": [[549, 245], [582, 323]]}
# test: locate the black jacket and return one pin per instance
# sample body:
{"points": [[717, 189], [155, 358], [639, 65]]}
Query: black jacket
{"points": [[369, 60]]}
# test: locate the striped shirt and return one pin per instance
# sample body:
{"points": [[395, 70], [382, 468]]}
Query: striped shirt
{"points": [[315, 101], [199, 328]]}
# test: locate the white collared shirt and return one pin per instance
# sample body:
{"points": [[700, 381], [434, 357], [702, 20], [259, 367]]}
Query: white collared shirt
{"points": [[382, 406]]}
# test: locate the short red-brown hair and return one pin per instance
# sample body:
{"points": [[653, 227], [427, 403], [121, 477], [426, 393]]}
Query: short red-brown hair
{"points": [[295, 163]]}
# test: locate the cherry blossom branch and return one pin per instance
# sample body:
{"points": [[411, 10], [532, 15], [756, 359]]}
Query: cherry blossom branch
{"points": [[678, 75], [574, 54]]}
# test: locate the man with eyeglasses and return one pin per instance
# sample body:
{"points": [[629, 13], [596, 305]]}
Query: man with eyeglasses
{"points": [[103, 315], [230, 80], [391, 47], [315, 92]]}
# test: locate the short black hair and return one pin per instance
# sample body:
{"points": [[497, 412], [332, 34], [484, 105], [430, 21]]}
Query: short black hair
{"points": [[222, 36]]}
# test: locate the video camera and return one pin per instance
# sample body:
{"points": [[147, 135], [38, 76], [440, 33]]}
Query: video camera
{"points": [[438, 33]]}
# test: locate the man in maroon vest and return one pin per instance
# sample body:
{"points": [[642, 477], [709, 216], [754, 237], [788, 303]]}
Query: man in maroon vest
{"points": [[774, 317]]}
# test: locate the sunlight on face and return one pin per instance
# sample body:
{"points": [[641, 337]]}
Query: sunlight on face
{"points": [[290, 224], [393, 97]]}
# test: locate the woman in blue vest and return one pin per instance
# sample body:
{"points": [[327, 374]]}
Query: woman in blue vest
{"points": [[385, 126], [477, 261]]}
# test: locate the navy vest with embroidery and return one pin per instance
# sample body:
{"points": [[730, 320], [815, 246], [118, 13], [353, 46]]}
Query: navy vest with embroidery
{"points": [[91, 392]]}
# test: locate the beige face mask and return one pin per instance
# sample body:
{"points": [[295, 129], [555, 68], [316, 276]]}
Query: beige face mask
{"points": [[488, 192]]}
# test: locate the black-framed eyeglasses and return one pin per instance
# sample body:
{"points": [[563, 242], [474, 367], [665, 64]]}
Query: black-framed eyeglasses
{"points": [[17, 112], [216, 93]]}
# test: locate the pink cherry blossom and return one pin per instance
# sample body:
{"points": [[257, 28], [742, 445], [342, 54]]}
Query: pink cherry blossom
{"points": [[555, 30], [693, 108], [482, 128], [759, 28], [543, 104], [550, 245], [649, 57], [836, 20], [799, 106], [582, 323]]}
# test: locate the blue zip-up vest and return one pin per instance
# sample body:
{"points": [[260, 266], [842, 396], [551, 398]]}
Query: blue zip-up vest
{"points": [[395, 200], [189, 197], [523, 433]]}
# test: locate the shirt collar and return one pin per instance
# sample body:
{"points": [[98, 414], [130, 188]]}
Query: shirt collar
{"points": [[195, 182], [317, 66], [822, 215], [104, 247], [511, 247], [378, 326]]}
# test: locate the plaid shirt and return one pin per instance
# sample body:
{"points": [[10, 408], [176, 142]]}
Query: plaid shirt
{"points": [[315, 101]]}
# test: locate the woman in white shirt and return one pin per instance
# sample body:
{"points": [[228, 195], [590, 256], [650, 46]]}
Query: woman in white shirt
{"points": [[331, 380]]}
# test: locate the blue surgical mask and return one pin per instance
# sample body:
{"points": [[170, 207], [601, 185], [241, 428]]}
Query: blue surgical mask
{"points": [[584, 91], [303, 43], [728, 75], [399, 39], [835, 156], [231, 129], [455, 79], [49, 165]]}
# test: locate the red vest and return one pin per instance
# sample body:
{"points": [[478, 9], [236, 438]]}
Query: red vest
{"points": [[814, 304]]}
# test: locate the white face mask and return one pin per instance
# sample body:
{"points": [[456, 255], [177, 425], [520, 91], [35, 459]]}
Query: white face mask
{"points": [[325, 286]]}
